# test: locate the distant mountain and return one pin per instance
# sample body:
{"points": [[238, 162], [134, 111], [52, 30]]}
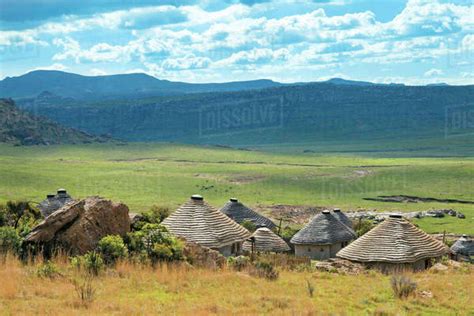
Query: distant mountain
{"points": [[80, 87], [21, 128], [340, 81], [279, 115]]}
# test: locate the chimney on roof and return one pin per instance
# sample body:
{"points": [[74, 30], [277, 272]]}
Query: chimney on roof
{"points": [[326, 212], [336, 210], [197, 197], [235, 200], [62, 191], [395, 216], [50, 196]]}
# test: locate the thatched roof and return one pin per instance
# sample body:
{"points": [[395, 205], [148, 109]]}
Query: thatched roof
{"points": [[266, 241], [201, 223], [463, 246], [240, 213], [323, 229], [395, 240], [52, 203], [342, 217]]}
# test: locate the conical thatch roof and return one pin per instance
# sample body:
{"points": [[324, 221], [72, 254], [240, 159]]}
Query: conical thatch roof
{"points": [[463, 246], [395, 240], [342, 217], [324, 229], [266, 241], [52, 203], [201, 223], [240, 213]]}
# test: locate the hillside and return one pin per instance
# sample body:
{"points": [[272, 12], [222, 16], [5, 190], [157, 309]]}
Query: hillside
{"points": [[79, 87], [283, 115], [19, 127]]}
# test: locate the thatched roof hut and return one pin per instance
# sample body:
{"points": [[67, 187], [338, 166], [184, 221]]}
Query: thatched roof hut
{"points": [[395, 244], [240, 213], [52, 203], [323, 229], [322, 237], [463, 248], [264, 240], [342, 217], [201, 223]]}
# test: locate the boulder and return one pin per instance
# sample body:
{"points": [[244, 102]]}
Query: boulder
{"points": [[203, 257], [78, 227]]}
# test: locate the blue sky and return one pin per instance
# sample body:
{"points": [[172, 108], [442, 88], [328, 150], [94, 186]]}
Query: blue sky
{"points": [[412, 42]]}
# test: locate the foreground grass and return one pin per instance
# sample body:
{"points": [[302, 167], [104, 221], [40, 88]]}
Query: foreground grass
{"points": [[141, 175], [181, 290]]}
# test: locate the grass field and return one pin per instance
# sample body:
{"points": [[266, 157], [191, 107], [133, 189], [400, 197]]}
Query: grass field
{"points": [[179, 290], [141, 175]]}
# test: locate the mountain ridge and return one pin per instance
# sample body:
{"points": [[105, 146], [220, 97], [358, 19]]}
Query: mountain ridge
{"points": [[21, 128]]}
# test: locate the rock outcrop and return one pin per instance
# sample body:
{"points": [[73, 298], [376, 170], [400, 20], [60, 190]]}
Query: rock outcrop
{"points": [[77, 227], [204, 257]]}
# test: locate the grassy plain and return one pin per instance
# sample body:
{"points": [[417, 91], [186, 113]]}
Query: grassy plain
{"points": [[180, 290], [141, 175]]}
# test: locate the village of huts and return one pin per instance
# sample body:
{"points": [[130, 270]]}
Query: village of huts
{"points": [[393, 245]]}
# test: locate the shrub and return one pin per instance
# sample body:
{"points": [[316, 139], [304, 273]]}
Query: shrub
{"points": [[48, 270], [156, 242], [238, 263], [92, 262], [402, 286], [288, 232], [112, 248], [19, 213], [155, 215], [10, 241], [263, 269], [362, 226], [249, 225]]}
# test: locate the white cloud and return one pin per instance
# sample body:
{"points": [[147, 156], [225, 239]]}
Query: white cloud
{"points": [[434, 72], [97, 72]]}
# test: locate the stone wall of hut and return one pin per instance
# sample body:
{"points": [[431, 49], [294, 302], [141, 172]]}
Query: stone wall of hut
{"points": [[386, 267], [318, 252]]}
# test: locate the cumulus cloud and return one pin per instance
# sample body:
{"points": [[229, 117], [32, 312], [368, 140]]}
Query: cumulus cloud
{"points": [[215, 40], [434, 72]]}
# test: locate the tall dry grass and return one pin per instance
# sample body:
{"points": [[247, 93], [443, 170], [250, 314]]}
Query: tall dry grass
{"points": [[133, 289]]}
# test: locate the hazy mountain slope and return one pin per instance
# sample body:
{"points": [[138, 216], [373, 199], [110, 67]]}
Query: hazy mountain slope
{"points": [[289, 114], [18, 127], [129, 85]]}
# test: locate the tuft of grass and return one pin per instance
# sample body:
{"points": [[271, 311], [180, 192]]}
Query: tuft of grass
{"points": [[402, 286]]}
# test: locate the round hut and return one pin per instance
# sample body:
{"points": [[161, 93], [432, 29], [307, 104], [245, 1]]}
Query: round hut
{"points": [[264, 240], [52, 203], [395, 245], [201, 223], [463, 249], [240, 213], [322, 237]]}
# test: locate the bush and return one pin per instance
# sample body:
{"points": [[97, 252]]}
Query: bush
{"points": [[263, 269], [362, 226], [92, 262], [238, 263], [154, 241], [17, 214], [112, 248], [155, 215], [402, 286], [48, 270], [249, 225], [288, 232], [10, 241]]}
